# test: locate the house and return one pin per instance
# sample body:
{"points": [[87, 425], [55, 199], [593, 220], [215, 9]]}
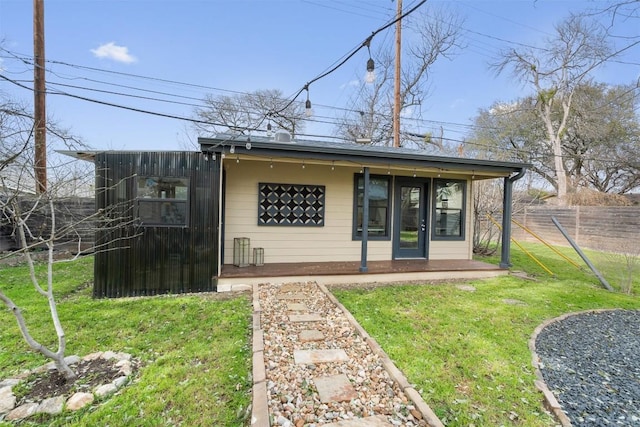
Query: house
{"points": [[251, 209]]}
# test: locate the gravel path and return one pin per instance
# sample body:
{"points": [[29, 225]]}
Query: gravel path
{"points": [[591, 363], [293, 399]]}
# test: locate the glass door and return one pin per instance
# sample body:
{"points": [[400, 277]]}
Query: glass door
{"points": [[410, 225]]}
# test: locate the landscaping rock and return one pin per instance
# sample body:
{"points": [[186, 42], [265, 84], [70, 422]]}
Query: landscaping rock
{"points": [[79, 401], [52, 405], [120, 382], [22, 412], [105, 390], [7, 399], [590, 363]]}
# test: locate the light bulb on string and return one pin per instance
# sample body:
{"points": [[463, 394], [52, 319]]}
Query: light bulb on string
{"points": [[307, 105], [370, 77]]}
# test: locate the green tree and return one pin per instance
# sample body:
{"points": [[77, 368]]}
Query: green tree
{"points": [[578, 47], [600, 143]]}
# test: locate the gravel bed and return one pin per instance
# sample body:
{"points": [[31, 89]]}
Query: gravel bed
{"points": [[591, 363], [292, 397]]}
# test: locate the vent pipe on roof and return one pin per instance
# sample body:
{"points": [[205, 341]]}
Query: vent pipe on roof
{"points": [[282, 136]]}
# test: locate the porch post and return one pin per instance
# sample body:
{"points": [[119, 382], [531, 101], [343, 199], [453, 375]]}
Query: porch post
{"points": [[365, 221], [507, 202]]}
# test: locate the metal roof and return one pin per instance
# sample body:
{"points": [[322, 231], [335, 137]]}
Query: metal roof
{"points": [[357, 153]]}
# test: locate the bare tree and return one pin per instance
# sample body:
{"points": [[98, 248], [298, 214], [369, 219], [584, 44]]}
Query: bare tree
{"points": [[243, 113], [370, 116], [577, 48], [18, 207]]}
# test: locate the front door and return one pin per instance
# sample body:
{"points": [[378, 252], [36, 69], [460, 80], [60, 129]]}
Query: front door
{"points": [[410, 218]]}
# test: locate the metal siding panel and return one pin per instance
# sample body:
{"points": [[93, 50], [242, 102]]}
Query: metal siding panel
{"points": [[153, 260]]}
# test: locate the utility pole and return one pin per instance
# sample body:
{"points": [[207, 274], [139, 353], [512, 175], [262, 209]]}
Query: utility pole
{"points": [[396, 102], [39, 91]]}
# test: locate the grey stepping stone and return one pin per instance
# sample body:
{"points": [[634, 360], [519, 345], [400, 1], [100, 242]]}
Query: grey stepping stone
{"points": [[310, 317], [296, 306], [377, 421], [311, 335], [335, 388], [311, 357], [292, 296], [295, 287]]}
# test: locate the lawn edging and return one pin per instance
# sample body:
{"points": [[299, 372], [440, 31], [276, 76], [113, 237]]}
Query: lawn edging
{"points": [[550, 400], [396, 374], [259, 402]]}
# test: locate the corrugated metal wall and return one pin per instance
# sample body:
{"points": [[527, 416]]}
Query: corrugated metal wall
{"points": [[132, 259]]}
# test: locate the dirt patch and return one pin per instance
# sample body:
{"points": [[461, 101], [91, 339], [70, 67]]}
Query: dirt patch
{"points": [[50, 383]]}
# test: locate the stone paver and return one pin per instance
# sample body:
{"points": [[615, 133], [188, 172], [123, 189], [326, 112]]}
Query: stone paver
{"points": [[295, 287], [377, 421], [309, 317], [335, 388], [296, 306], [310, 335], [291, 296], [309, 357]]}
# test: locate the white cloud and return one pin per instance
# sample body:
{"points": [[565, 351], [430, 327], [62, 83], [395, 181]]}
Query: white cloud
{"points": [[113, 51]]}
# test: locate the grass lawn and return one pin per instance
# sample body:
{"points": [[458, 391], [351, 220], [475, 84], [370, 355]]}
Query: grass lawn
{"points": [[195, 350], [467, 352]]}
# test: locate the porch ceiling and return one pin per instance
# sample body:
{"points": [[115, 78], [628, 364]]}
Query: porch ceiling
{"points": [[356, 154]]}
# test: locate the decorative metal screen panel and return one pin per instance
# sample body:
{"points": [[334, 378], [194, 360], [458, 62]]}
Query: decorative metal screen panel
{"points": [[291, 205]]}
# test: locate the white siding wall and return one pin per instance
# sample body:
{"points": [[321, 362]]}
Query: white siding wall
{"points": [[294, 244], [312, 244]]}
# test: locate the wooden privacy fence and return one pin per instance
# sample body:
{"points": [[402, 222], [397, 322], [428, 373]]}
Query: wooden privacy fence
{"points": [[606, 228], [71, 215]]}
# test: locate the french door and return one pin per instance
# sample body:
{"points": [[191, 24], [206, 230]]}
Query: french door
{"points": [[410, 235]]}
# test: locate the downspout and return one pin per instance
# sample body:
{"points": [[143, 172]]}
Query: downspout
{"points": [[365, 222], [507, 202]]}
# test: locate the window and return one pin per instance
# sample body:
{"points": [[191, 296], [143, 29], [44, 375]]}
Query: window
{"points": [[379, 207], [449, 209], [163, 201], [290, 204]]}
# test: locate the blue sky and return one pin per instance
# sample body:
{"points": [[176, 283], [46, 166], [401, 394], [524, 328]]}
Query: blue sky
{"points": [[178, 51]]}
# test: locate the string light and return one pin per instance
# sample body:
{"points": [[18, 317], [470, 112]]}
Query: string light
{"points": [[237, 159], [414, 172], [370, 77], [271, 163], [307, 105], [269, 128], [389, 170], [303, 165], [333, 165], [232, 149]]}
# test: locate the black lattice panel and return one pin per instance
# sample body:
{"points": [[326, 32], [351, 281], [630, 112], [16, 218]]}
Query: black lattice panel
{"points": [[291, 205]]}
